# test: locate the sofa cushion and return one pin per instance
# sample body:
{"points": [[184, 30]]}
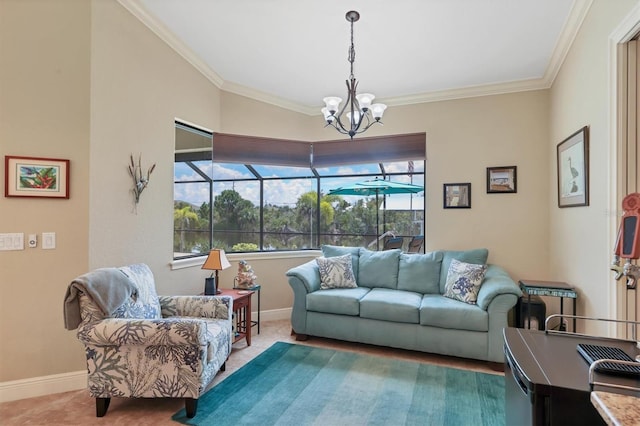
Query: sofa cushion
{"points": [[439, 311], [336, 272], [391, 305], [379, 268], [333, 251], [341, 301], [420, 272], [477, 256], [464, 281]]}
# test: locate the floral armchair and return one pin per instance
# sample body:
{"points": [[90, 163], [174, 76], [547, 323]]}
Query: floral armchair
{"points": [[151, 346]]}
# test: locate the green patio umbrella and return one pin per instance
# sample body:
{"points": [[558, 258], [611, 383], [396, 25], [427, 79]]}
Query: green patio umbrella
{"points": [[377, 187]]}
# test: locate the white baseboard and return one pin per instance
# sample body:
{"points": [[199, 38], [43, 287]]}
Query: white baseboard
{"points": [[45, 385], [272, 315], [56, 383]]}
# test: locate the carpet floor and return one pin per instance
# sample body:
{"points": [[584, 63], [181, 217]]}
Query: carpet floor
{"points": [[300, 385], [78, 408]]}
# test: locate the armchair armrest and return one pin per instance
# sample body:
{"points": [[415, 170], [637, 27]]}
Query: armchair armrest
{"points": [[496, 282], [196, 306], [144, 332], [305, 277]]}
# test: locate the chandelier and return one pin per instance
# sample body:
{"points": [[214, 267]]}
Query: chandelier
{"points": [[360, 113]]}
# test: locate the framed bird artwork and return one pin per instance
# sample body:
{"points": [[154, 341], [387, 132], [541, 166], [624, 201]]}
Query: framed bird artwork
{"points": [[573, 170]]}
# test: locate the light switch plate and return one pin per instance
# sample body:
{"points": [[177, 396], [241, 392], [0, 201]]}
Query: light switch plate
{"points": [[18, 241], [48, 240], [9, 242]]}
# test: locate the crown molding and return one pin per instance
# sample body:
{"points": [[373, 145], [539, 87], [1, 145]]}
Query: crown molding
{"points": [[574, 21], [468, 92], [268, 98], [570, 30], [161, 30]]}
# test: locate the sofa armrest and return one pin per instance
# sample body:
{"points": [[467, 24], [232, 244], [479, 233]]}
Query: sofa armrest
{"points": [[144, 332], [196, 306], [305, 277], [496, 282]]}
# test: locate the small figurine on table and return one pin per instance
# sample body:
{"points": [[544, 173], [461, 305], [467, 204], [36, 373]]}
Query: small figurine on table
{"points": [[245, 278]]}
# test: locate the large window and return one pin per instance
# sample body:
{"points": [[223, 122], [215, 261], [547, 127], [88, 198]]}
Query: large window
{"points": [[246, 194]]}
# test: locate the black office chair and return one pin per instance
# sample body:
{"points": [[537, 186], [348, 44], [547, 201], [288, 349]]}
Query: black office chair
{"points": [[393, 243], [415, 244]]}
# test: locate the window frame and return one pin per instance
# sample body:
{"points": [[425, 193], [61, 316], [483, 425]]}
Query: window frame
{"points": [[311, 156]]}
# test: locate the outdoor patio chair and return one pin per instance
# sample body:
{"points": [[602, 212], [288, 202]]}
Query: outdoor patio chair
{"points": [[415, 245], [393, 243]]}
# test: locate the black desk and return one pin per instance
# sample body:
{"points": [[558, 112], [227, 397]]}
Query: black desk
{"points": [[547, 381]]}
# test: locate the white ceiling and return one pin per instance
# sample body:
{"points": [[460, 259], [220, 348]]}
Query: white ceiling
{"points": [[292, 53]]}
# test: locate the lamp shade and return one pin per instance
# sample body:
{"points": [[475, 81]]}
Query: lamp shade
{"points": [[365, 99], [378, 110], [332, 103], [216, 261]]}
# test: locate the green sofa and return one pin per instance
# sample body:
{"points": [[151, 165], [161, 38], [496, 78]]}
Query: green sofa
{"points": [[399, 302]]}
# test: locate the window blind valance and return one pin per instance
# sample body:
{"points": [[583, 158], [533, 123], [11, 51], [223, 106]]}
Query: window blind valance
{"points": [[377, 149], [259, 150], [229, 148]]}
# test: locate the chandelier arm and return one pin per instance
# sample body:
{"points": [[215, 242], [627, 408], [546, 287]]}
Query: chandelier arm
{"points": [[340, 130], [369, 124], [349, 99], [338, 122]]}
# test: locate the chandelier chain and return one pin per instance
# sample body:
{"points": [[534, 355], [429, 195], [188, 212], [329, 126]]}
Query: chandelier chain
{"points": [[352, 51]]}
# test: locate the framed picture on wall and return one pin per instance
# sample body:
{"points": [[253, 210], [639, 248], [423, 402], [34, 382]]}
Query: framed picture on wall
{"points": [[457, 196], [573, 170], [502, 179], [36, 177]]}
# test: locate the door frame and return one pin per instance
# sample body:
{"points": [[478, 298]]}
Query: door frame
{"points": [[626, 31]]}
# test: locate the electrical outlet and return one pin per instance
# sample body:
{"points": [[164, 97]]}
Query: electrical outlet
{"points": [[32, 242]]}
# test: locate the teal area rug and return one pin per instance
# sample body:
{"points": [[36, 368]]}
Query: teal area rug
{"points": [[302, 385]]}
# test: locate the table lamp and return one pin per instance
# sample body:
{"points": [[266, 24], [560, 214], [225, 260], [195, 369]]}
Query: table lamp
{"points": [[216, 261]]}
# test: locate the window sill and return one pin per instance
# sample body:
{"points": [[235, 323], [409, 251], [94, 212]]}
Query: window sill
{"points": [[199, 261]]}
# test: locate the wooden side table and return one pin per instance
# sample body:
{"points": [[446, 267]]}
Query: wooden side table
{"points": [[242, 312], [549, 288], [256, 289]]}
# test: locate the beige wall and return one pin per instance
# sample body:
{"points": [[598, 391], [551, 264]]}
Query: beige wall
{"points": [[139, 87], [245, 116], [466, 136], [44, 112], [95, 85], [580, 242]]}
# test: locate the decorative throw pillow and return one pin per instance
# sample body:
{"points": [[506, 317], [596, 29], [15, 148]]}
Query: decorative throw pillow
{"points": [[336, 272], [475, 256], [464, 281], [334, 251]]}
